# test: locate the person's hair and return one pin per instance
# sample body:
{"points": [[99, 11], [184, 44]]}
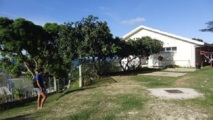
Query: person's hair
{"points": [[40, 70]]}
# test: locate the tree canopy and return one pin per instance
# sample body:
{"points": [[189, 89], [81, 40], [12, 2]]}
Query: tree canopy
{"points": [[88, 39], [138, 48], [26, 46], [209, 27], [197, 39]]}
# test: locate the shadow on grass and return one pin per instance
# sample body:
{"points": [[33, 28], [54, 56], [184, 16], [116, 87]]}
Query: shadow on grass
{"points": [[135, 72], [21, 117], [20, 103], [75, 90]]}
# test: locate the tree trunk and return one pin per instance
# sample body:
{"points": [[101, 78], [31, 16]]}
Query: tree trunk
{"points": [[29, 69], [26, 64]]}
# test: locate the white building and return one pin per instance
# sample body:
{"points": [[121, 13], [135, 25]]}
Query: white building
{"points": [[178, 50]]}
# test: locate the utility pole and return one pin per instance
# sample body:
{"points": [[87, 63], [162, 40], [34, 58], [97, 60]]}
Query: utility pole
{"points": [[55, 83], [80, 71]]}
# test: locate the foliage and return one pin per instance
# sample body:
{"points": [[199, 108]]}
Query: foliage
{"points": [[68, 41], [19, 36], [138, 48], [86, 39], [16, 94], [172, 66], [209, 27], [10, 65], [4, 97], [25, 46], [197, 39]]}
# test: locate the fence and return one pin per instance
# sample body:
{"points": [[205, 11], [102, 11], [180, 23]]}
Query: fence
{"points": [[13, 89]]}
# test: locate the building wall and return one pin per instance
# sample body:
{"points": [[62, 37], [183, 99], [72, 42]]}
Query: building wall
{"points": [[184, 56]]}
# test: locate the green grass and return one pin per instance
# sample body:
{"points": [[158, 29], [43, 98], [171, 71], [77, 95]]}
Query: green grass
{"points": [[120, 97], [130, 101], [155, 82]]}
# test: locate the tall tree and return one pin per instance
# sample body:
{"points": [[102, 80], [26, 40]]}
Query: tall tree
{"points": [[98, 42], [56, 65], [88, 38], [69, 40], [26, 44]]}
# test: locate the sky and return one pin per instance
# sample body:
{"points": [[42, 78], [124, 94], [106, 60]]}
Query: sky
{"points": [[180, 17]]}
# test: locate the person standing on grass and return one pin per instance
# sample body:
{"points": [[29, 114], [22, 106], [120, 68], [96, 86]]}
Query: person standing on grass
{"points": [[39, 81]]}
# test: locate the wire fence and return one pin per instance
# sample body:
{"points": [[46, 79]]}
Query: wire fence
{"points": [[13, 89]]}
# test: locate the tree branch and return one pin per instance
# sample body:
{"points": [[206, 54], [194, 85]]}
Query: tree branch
{"points": [[26, 64]]}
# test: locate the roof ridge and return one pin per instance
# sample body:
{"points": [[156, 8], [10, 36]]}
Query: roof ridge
{"points": [[161, 32]]}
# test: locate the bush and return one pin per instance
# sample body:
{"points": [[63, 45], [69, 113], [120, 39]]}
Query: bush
{"points": [[172, 66]]}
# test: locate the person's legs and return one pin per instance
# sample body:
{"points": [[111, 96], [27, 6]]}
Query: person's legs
{"points": [[38, 101], [39, 97], [43, 99]]}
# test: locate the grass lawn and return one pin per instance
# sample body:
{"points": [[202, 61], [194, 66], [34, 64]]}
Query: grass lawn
{"points": [[124, 97]]}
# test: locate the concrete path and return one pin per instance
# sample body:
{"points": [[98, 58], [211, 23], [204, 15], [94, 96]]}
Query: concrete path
{"points": [[181, 69], [171, 72], [166, 74], [184, 93]]}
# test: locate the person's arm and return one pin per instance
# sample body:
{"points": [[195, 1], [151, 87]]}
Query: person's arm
{"points": [[39, 86]]}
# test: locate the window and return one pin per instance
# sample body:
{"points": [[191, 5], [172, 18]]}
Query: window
{"points": [[174, 48], [170, 49]]}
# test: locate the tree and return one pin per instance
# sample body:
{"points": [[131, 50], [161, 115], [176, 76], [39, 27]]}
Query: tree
{"points": [[11, 66], [88, 38], [56, 65], [197, 39], [125, 50], [26, 45], [138, 48], [209, 27], [98, 42], [69, 40]]}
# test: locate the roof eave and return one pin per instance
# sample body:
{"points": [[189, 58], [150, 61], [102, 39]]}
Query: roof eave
{"points": [[128, 35]]}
